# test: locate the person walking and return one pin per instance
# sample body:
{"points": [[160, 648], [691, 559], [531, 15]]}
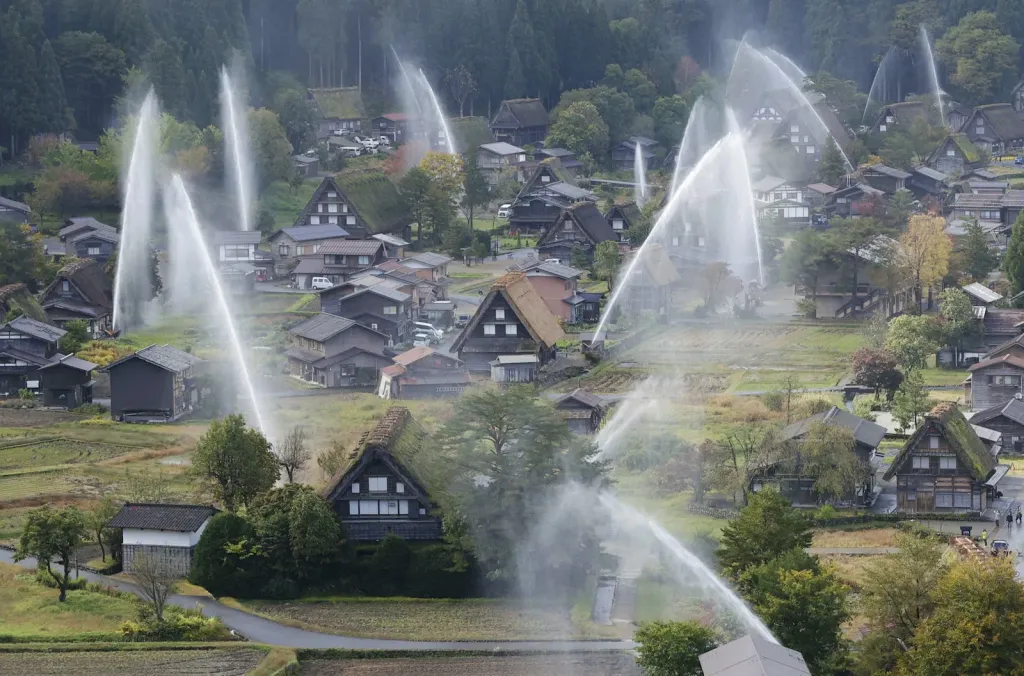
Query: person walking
{"points": [[1009, 518], [984, 537], [1020, 517]]}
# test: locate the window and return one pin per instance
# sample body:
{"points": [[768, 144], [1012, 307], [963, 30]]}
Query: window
{"points": [[488, 329], [373, 326], [332, 220], [962, 500], [545, 178], [344, 208], [807, 139], [399, 487], [319, 208], [921, 462], [350, 220], [300, 250], [510, 329], [882, 127], [947, 462], [364, 260], [368, 507], [933, 441], [403, 506], [93, 251], [422, 511], [675, 241], [567, 226], [355, 487], [331, 194], [950, 152], [794, 139], [944, 500], [793, 128], [65, 285], [347, 369], [810, 150], [378, 484], [1006, 381], [700, 241], [617, 224], [353, 507], [499, 313], [332, 208], [314, 220], [389, 506], [391, 309], [888, 118], [236, 252], [282, 250]]}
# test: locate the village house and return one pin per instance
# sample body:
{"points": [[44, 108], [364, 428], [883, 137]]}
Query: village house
{"points": [[406, 280], [338, 260], [622, 217], [802, 129], [980, 186], [899, 115], [240, 261], [997, 377], [377, 492], [957, 114], [981, 295], [363, 202], [581, 410], [817, 194], [956, 156], [846, 202], [394, 247], [776, 199], [375, 277], [288, 245], [651, 282], [520, 122], [333, 351], [578, 230], [554, 283], [423, 373], [996, 129], [306, 165], [156, 384], [439, 313], [428, 265], [984, 208], [927, 182], [378, 307], [26, 345], [165, 534], [10, 210], [944, 467], [340, 110], [66, 382], [885, 178], [493, 158], [82, 238], [1007, 419], [833, 295], [566, 158], [584, 308], [543, 197], [512, 320], [788, 477], [624, 154], [82, 290], [393, 125]]}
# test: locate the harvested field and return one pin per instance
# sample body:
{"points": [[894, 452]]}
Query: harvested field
{"points": [[591, 664], [231, 662], [424, 619], [851, 569], [29, 417], [873, 537], [56, 451]]}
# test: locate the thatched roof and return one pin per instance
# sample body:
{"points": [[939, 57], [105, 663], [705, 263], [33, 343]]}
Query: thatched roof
{"points": [[526, 303], [343, 103], [17, 297], [1003, 121], [375, 198], [947, 421]]}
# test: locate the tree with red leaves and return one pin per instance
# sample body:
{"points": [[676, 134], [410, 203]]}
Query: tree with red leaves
{"points": [[876, 368]]}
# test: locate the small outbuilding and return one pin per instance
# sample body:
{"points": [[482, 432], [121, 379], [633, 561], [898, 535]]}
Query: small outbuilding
{"points": [[67, 382], [581, 410], [166, 535], [155, 384]]}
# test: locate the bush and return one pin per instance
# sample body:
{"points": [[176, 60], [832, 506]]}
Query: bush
{"points": [[223, 572], [431, 574], [825, 512], [864, 407], [816, 405], [807, 308], [774, 401], [389, 566], [673, 648], [179, 625], [94, 410]]}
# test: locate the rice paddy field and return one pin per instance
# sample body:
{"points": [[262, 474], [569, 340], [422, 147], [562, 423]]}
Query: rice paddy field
{"points": [[215, 662], [592, 664]]}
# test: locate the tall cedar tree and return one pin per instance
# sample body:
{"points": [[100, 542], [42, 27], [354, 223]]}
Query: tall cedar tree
{"points": [[973, 255], [764, 529], [1013, 260]]}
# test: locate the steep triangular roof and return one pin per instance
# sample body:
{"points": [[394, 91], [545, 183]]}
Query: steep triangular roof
{"points": [[88, 277], [1012, 410], [947, 420], [372, 195], [905, 112], [343, 103], [527, 112], [1003, 121], [395, 440], [590, 221], [628, 212], [529, 307]]}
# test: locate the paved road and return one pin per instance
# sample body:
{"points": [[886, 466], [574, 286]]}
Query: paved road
{"points": [[262, 630]]}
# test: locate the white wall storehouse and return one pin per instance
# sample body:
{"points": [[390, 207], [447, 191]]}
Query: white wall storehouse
{"points": [[164, 534]]}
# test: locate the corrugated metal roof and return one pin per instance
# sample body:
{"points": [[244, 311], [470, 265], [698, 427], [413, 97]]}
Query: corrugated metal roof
{"points": [[753, 656], [504, 359], [430, 258], [351, 247], [502, 148], [164, 356], [305, 233], [982, 292]]}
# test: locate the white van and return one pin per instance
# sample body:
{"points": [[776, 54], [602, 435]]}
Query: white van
{"points": [[504, 211], [320, 283], [424, 327]]}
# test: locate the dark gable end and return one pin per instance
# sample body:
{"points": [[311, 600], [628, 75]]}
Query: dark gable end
{"points": [[1001, 119], [947, 420]]}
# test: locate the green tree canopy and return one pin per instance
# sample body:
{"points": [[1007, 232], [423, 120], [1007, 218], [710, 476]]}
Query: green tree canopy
{"points": [[236, 460], [580, 129], [982, 59], [271, 151], [52, 536], [1013, 259], [673, 648], [764, 529]]}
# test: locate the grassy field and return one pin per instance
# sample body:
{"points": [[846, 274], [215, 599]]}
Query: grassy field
{"points": [[28, 609], [425, 619], [220, 662], [592, 664], [872, 537]]}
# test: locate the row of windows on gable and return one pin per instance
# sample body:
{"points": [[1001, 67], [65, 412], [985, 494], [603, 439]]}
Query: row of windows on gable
{"points": [[330, 220], [380, 507], [379, 484], [332, 207], [676, 241], [925, 461], [492, 329]]}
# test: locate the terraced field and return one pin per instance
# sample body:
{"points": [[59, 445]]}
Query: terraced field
{"points": [[230, 662], [47, 452]]}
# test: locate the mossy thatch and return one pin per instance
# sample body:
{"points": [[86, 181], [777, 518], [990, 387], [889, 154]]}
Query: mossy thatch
{"points": [[969, 150], [947, 420], [15, 298], [342, 103], [375, 198]]}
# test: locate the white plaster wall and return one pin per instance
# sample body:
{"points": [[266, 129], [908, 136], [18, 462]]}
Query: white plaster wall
{"points": [[163, 538]]}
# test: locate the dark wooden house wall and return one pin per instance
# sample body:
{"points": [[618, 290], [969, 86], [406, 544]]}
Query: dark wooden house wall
{"points": [[487, 348], [417, 524], [986, 394], [1010, 429], [357, 307], [63, 386], [917, 489], [106, 248], [137, 385]]}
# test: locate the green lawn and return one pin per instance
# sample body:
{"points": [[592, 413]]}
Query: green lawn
{"points": [[27, 608], [939, 376], [284, 204]]}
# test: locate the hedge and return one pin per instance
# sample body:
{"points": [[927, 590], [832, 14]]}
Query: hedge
{"points": [[866, 517]]}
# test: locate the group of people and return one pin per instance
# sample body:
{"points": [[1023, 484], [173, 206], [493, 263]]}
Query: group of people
{"points": [[1010, 517]]}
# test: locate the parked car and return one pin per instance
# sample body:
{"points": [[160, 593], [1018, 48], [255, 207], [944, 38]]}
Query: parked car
{"points": [[367, 142], [351, 151], [429, 328], [320, 283], [1019, 161], [430, 338], [504, 211], [421, 342], [461, 321], [385, 141]]}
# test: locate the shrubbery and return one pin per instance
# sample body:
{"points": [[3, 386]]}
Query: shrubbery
{"points": [[179, 625]]}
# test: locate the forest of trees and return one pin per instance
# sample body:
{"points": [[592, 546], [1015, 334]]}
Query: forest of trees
{"points": [[66, 61]]}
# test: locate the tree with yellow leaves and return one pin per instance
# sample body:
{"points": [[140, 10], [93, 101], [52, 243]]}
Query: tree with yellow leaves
{"points": [[445, 172], [924, 252]]}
